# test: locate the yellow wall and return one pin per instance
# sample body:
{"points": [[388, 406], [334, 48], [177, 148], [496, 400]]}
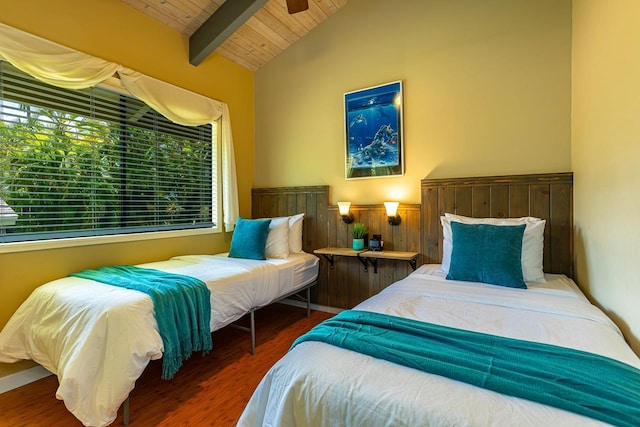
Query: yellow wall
{"points": [[117, 32], [605, 156], [486, 91]]}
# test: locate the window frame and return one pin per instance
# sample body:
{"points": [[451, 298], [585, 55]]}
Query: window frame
{"points": [[113, 84]]}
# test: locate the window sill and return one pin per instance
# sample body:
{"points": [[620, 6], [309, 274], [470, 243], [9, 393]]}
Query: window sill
{"points": [[100, 240]]}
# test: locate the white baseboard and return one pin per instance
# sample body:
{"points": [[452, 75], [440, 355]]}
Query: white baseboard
{"points": [[21, 378]]}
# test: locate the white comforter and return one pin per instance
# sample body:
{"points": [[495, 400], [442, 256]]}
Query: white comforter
{"points": [[99, 338], [317, 384]]}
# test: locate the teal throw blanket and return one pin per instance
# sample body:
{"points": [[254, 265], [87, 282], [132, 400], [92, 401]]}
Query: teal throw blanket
{"points": [[577, 381], [182, 307]]}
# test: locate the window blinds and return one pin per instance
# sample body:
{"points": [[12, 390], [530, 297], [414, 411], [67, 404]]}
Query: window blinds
{"points": [[95, 162]]}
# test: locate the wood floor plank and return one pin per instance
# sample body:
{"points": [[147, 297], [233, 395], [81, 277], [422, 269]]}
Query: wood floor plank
{"points": [[207, 391]]}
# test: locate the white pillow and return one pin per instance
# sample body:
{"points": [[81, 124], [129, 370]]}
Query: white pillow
{"points": [[278, 239], [295, 233], [532, 242]]}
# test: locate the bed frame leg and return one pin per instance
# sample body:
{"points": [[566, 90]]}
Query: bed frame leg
{"points": [[309, 301], [253, 333], [125, 412]]}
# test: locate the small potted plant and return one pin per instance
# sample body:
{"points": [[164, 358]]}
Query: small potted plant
{"points": [[359, 234]]}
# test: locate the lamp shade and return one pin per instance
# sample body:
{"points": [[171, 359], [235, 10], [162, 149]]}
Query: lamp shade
{"points": [[391, 208], [343, 207]]}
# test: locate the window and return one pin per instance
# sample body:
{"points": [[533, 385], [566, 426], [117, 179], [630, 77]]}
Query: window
{"points": [[97, 162]]}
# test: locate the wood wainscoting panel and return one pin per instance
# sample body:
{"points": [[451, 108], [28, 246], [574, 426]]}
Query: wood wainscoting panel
{"points": [[348, 282]]}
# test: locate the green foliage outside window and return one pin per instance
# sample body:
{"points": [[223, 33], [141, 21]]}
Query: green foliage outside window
{"points": [[64, 172]]}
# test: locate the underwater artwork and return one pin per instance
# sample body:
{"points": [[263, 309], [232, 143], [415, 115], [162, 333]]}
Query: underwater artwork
{"points": [[373, 129]]}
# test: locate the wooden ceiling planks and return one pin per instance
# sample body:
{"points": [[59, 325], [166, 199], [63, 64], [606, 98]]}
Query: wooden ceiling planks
{"points": [[264, 36]]}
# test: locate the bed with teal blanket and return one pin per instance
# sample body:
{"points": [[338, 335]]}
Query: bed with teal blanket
{"points": [[125, 316], [435, 352]]}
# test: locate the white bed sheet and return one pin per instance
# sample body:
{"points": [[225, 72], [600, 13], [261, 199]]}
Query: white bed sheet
{"points": [[236, 283], [81, 330], [317, 384]]}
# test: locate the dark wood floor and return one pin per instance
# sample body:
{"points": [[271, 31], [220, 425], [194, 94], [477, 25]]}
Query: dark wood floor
{"points": [[207, 391]]}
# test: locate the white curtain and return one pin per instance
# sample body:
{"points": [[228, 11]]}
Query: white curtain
{"points": [[61, 66], [191, 109]]}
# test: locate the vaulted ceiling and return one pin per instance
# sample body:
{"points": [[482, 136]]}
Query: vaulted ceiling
{"points": [[264, 35]]}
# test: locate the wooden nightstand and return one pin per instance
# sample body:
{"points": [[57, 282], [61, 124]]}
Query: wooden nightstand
{"points": [[374, 256]]}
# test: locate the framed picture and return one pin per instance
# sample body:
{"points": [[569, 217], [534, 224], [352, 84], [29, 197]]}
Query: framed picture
{"points": [[373, 131]]}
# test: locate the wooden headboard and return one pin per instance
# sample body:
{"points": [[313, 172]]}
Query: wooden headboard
{"points": [[546, 196], [285, 201]]}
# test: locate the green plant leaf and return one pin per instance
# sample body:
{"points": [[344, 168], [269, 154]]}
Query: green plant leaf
{"points": [[359, 230]]}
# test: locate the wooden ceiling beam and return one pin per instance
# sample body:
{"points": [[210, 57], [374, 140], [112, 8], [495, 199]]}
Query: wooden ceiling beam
{"points": [[224, 22], [295, 6]]}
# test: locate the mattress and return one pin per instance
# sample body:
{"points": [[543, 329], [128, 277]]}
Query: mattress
{"points": [[81, 330], [317, 384], [238, 285]]}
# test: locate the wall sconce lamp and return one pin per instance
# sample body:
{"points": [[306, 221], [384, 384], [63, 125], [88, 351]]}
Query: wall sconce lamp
{"points": [[347, 216], [392, 212]]}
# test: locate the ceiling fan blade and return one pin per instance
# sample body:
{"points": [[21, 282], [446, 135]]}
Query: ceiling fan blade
{"points": [[295, 6]]}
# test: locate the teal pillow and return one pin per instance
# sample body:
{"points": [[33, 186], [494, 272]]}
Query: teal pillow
{"points": [[487, 253], [249, 238]]}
